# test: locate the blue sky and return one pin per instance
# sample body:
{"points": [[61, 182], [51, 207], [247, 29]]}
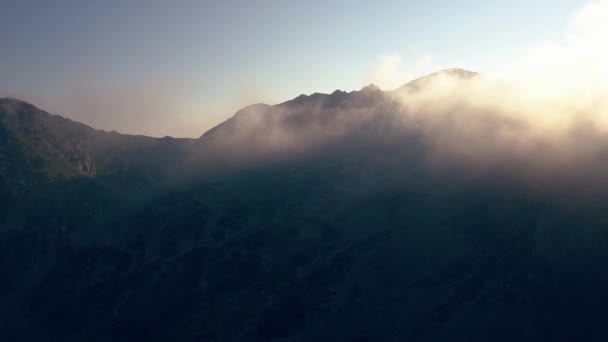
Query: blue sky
{"points": [[179, 67]]}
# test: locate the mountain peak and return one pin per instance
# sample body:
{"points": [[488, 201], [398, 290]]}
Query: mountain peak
{"points": [[12, 103], [452, 72], [10, 100], [458, 73], [463, 73], [371, 88]]}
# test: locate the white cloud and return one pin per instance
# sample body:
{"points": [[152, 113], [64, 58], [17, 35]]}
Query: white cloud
{"points": [[575, 64], [391, 72], [386, 71]]}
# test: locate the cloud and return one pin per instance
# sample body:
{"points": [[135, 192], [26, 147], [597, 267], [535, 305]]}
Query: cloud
{"points": [[544, 126], [390, 71], [387, 70], [575, 64], [544, 118]]}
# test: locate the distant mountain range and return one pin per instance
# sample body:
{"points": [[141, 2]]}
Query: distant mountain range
{"points": [[325, 218]]}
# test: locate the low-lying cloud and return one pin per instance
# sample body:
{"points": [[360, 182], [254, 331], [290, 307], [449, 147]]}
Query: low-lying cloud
{"points": [[547, 117], [545, 124]]}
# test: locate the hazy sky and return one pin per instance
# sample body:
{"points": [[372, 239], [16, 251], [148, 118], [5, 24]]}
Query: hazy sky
{"points": [[179, 67]]}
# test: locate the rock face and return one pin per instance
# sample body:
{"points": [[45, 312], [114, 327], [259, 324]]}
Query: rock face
{"points": [[60, 146], [39, 147], [318, 219]]}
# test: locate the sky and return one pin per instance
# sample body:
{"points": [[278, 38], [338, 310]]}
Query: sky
{"points": [[180, 67]]}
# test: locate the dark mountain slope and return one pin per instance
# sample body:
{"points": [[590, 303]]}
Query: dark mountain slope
{"points": [[38, 146], [325, 218], [301, 255]]}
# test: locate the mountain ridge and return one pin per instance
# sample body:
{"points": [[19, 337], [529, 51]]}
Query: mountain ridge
{"points": [[371, 88], [62, 147]]}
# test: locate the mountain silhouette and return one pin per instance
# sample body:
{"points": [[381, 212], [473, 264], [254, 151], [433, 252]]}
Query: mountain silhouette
{"points": [[329, 217]]}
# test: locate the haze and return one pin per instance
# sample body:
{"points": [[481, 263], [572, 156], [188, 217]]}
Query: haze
{"points": [[180, 67]]}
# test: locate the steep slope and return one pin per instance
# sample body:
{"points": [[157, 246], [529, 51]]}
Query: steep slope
{"points": [[37, 146]]}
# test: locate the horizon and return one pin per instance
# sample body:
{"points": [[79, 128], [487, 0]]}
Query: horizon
{"points": [[175, 69], [118, 130]]}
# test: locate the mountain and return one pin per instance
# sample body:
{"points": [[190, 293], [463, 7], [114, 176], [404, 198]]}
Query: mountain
{"points": [[330, 217], [60, 147]]}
